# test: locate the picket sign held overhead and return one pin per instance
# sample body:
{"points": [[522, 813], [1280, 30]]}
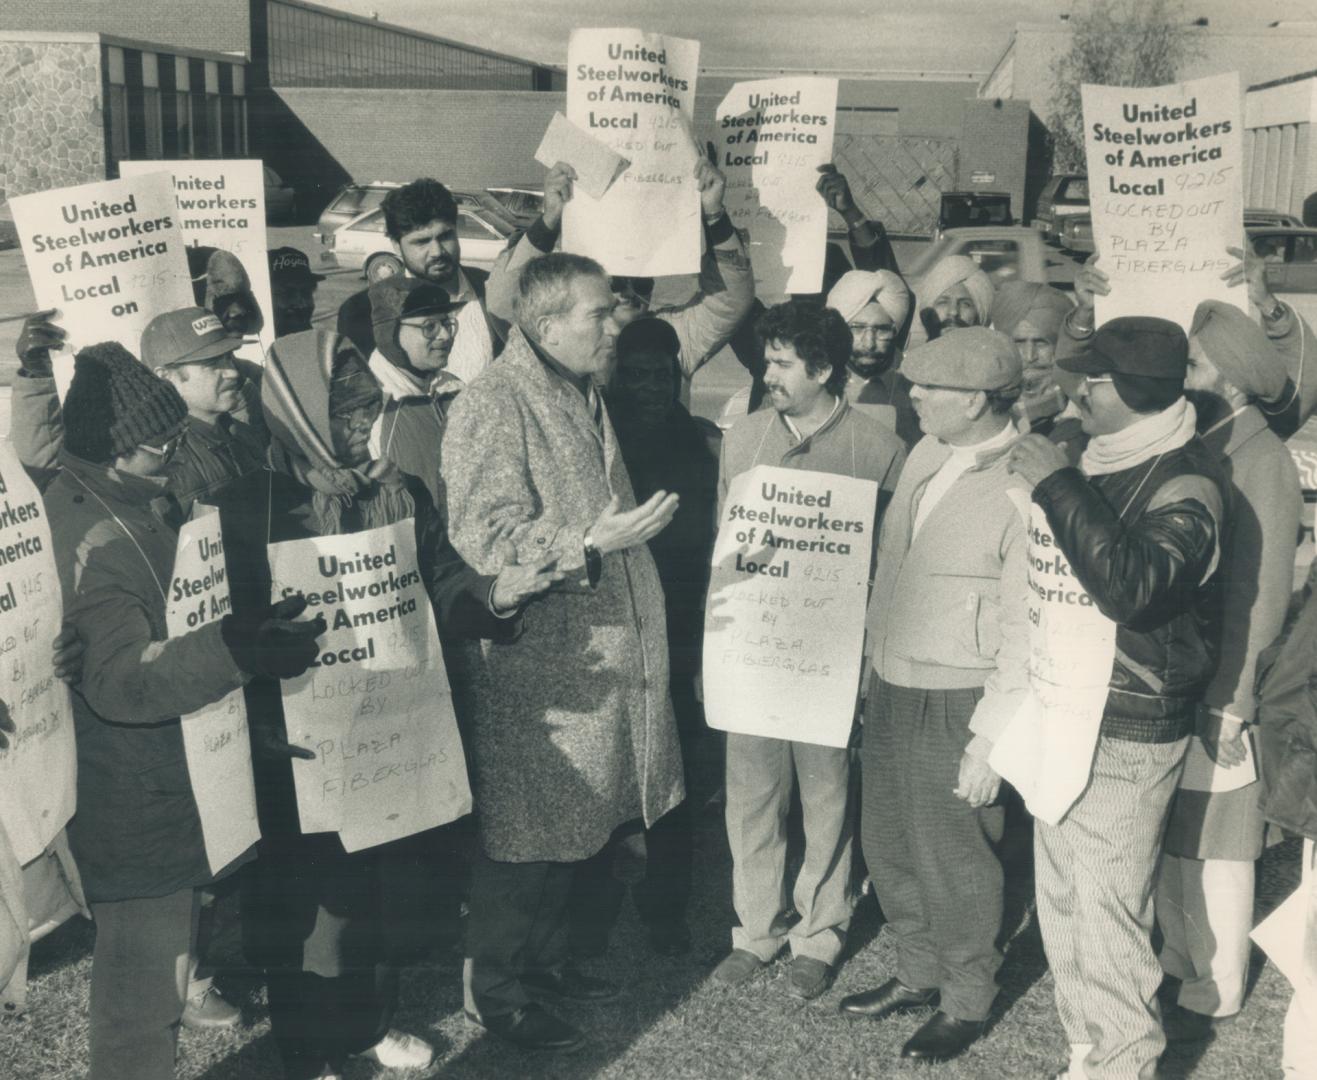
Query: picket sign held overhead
{"points": [[107, 256], [221, 204], [1166, 191], [772, 136], [375, 707], [635, 92], [784, 622]]}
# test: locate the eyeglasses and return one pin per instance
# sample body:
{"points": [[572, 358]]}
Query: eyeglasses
{"points": [[431, 327], [169, 447]]}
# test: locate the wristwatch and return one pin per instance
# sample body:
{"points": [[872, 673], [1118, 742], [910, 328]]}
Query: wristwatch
{"points": [[594, 562], [1276, 311]]}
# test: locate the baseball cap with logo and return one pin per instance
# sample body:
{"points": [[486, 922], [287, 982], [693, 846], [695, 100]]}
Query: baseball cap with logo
{"points": [[185, 336], [290, 265]]}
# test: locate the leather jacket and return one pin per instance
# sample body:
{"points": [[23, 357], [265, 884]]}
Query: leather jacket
{"points": [[1146, 562]]}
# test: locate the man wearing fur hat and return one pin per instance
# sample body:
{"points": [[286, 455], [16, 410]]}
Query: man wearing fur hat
{"points": [[137, 834], [1140, 525], [947, 633]]}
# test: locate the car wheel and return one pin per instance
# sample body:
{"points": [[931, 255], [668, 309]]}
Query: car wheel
{"points": [[379, 267]]}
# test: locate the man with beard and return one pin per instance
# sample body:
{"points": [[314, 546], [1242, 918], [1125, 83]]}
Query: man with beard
{"points": [[292, 290], [421, 221], [954, 293], [875, 305]]}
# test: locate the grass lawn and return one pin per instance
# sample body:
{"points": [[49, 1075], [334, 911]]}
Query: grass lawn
{"points": [[673, 1022]]}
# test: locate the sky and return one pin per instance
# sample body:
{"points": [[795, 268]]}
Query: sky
{"points": [[956, 36]]}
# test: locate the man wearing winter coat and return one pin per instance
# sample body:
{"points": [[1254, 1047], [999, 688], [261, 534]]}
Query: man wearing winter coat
{"points": [[571, 730]]}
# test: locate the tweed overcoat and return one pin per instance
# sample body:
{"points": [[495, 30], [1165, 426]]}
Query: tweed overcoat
{"points": [[570, 731]]}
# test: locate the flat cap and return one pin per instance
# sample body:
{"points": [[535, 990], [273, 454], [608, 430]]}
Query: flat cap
{"points": [[970, 358], [1132, 345]]}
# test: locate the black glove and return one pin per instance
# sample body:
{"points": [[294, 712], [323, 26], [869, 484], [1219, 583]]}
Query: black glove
{"points": [[6, 723], [268, 642], [38, 336]]}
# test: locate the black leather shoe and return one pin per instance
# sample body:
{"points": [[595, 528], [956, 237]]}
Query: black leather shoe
{"points": [[569, 984], [892, 997], [531, 1028], [942, 1039]]}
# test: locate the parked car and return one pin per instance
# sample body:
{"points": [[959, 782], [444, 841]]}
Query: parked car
{"points": [[349, 204], [1063, 196], [1290, 255], [524, 204], [280, 199], [362, 243], [1003, 252], [1077, 234], [969, 209], [1264, 218]]}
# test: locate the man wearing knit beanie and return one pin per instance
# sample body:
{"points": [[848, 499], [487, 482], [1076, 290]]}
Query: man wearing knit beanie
{"points": [[415, 326], [137, 835], [1205, 884]]}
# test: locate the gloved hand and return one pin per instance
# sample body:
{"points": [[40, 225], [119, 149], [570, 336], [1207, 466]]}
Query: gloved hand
{"points": [[268, 641], [6, 724], [35, 340]]}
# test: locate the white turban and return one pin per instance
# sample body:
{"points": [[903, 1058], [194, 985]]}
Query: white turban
{"points": [[855, 288], [958, 270]]}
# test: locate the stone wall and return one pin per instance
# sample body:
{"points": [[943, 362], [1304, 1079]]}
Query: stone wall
{"points": [[51, 124]]}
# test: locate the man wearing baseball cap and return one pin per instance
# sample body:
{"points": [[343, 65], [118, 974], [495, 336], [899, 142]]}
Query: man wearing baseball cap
{"points": [[292, 290], [1140, 523], [947, 621], [191, 349]]}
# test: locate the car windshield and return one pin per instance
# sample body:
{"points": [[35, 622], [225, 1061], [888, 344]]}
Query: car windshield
{"points": [[961, 210], [357, 200], [1075, 191]]}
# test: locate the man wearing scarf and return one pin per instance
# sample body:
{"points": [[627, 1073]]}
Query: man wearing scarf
{"points": [[1205, 888], [324, 923], [954, 293], [1140, 522], [876, 306]]}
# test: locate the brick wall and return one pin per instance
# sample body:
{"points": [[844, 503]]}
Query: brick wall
{"points": [[51, 127], [466, 138], [216, 25]]}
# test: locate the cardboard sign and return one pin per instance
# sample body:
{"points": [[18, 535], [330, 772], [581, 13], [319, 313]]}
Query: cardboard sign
{"points": [[215, 740], [595, 163], [1165, 184], [38, 770], [635, 92], [773, 134], [784, 624], [1046, 752], [107, 256], [376, 706], [221, 204]]}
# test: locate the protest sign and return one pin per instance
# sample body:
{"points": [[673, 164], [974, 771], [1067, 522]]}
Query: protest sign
{"points": [[108, 256], [595, 163], [38, 770], [375, 706], [773, 134], [635, 91], [1165, 184], [1046, 751], [219, 760], [784, 623], [221, 204]]}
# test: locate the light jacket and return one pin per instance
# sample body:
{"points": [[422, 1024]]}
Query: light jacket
{"points": [[950, 607], [136, 832], [571, 729]]}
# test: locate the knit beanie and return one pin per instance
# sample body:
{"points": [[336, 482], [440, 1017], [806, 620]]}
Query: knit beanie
{"points": [[116, 404], [1239, 349]]}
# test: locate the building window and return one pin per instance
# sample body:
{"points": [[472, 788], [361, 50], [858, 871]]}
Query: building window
{"points": [[116, 106], [151, 115], [183, 107]]}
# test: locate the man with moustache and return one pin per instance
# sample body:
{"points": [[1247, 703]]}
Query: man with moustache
{"points": [[955, 293], [420, 219]]}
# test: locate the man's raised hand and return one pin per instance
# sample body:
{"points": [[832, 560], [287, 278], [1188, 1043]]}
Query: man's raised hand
{"points": [[557, 193], [35, 340]]}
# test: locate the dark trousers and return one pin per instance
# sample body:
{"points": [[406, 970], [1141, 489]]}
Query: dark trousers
{"points": [[933, 859], [517, 924], [318, 1022]]}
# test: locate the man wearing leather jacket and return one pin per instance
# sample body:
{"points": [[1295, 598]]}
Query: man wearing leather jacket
{"points": [[1140, 522]]}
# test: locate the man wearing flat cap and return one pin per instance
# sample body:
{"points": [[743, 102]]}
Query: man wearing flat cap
{"points": [[414, 325], [947, 632], [1140, 523], [1205, 887]]}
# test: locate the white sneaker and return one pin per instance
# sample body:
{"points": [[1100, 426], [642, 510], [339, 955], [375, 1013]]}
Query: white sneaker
{"points": [[398, 1050]]}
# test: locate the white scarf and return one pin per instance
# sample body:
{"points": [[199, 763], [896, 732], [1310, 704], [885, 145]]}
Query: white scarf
{"points": [[1150, 437]]}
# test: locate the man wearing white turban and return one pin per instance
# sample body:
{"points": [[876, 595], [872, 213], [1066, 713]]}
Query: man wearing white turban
{"points": [[876, 306], [955, 292]]}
